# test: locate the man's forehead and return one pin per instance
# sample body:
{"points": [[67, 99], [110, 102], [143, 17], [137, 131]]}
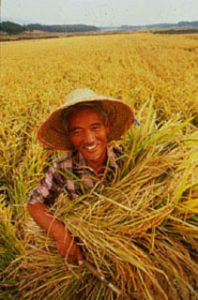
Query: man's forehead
{"points": [[84, 114]]}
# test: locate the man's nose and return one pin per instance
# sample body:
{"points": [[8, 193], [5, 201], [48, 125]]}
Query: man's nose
{"points": [[89, 137]]}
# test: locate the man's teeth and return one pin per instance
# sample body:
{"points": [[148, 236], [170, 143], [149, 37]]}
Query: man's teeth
{"points": [[90, 147]]}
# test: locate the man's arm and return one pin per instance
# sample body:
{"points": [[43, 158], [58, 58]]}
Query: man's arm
{"points": [[38, 206], [65, 242]]}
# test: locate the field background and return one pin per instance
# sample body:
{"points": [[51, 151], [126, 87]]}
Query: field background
{"points": [[155, 74]]}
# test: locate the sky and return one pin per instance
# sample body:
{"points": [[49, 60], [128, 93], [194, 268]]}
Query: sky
{"points": [[99, 12]]}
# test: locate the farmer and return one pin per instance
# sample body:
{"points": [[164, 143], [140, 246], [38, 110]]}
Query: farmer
{"points": [[83, 127]]}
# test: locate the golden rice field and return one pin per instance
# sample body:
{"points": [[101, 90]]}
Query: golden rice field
{"points": [[141, 233]]}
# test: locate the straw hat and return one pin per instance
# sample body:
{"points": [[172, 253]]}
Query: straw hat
{"points": [[52, 132]]}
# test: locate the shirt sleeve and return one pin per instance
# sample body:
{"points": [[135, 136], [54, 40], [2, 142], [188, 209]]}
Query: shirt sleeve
{"points": [[49, 188]]}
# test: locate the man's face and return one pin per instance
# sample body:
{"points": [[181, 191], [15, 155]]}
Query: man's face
{"points": [[88, 135]]}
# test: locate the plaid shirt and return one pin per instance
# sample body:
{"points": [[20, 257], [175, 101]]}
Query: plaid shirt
{"points": [[72, 175]]}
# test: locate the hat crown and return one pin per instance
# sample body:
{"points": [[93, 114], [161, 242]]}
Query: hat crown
{"points": [[80, 95]]}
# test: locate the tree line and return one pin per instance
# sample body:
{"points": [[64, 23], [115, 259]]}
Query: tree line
{"points": [[62, 28], [13, 28]]}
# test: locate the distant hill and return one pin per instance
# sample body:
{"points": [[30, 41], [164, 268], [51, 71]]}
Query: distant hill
{"points": [[161, 26]]}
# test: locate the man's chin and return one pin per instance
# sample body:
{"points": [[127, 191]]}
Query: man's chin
{"points": [[96, 155], [92, 158], [91, 154]]}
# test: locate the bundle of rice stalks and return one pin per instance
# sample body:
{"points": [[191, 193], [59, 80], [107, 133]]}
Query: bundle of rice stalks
{"points": [[140, 232]]}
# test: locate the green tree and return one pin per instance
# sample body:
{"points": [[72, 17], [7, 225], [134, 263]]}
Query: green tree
{"points": [[11, 28]]}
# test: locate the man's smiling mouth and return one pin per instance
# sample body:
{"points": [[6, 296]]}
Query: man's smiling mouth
{"points": [[91, 147]]}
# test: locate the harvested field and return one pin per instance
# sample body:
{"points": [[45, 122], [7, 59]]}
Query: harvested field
{"points": [[140, 232]]}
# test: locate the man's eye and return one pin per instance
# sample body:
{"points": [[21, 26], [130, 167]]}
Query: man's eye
{"points": [[95, 127], [76, 132]]}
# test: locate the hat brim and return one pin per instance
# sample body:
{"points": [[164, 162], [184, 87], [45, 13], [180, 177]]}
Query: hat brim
{"points": [[52, 133]]}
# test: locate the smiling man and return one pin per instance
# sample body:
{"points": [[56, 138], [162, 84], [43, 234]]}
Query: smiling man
{"points": [[88, 134], [84, 127]]}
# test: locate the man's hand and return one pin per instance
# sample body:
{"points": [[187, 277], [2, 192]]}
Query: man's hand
{"points": [[67, 246]]}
